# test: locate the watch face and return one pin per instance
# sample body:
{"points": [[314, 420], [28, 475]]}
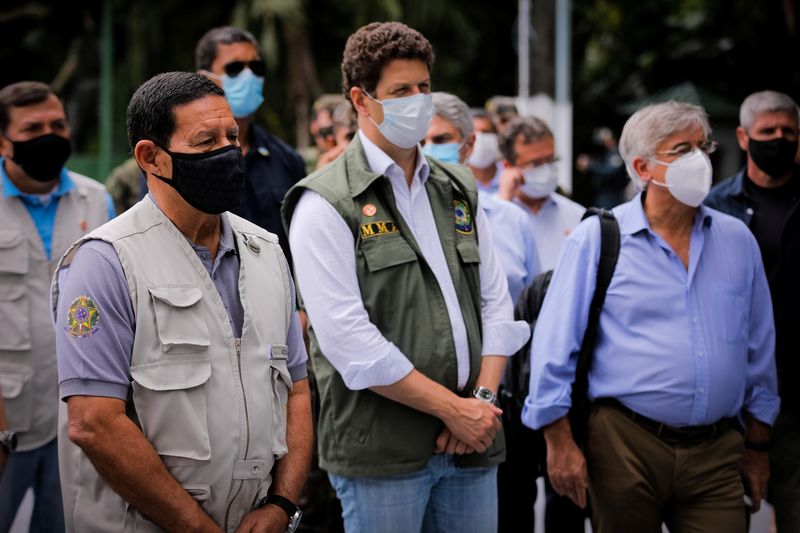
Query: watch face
{"points": [[294, 521], [485, 394]]}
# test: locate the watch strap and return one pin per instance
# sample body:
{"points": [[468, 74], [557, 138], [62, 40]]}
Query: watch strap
{"points": [[284, 503]]}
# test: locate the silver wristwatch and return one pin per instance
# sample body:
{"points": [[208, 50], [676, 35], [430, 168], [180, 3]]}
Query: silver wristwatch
{"points": [[484, 394]]}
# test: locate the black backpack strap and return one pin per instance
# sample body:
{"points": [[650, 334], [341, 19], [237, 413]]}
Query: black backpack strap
{"points": [[609, 253]]}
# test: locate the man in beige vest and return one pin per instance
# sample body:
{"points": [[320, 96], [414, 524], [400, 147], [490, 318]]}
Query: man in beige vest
{"points": [[181, 360], [43, 209]]}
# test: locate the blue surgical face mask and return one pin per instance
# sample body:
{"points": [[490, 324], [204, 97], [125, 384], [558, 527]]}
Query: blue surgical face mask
{"points": [[445, 152], [244, 92], [406, 119]]}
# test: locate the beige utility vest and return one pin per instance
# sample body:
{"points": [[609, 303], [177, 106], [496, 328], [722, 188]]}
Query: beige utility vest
{"points": [[28, 374], [213, 406]]}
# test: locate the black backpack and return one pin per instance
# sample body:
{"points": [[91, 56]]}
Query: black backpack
{"points": [[527, 308]]}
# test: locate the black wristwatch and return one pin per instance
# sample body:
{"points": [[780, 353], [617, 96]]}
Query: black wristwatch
{"points": [[8, 441], [292, 511]]}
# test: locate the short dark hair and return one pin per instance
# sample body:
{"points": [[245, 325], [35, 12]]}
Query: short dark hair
{"points": [[374, 46], [206, 50], [531, 129], [151, 111], [21, 94], [479, 113]]}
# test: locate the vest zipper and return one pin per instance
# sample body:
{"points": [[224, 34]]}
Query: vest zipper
{"points": [[238, 343]]}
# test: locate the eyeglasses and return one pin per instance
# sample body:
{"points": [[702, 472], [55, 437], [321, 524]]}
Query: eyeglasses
{"points": [[709, 147], [539, 162], [325, 132], [257, 66]]}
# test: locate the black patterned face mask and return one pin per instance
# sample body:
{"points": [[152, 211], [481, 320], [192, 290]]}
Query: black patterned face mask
{"points": [[211, 182]]}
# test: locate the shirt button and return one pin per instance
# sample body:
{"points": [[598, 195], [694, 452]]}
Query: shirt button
{"points": [[749, 211]]}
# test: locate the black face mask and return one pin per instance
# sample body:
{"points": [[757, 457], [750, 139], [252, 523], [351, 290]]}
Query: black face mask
{"points": [[211, 182], [42, 158], [775, 157]]}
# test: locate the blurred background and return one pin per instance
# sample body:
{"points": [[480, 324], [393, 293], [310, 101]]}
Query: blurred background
{"points": [[587, 63]]}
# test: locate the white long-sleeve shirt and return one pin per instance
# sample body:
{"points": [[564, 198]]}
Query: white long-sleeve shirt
{"points": [[322, 246]]}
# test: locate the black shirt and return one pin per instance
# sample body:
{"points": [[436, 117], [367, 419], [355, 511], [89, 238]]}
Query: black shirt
{"points": [[272, 167], [769, 218]]}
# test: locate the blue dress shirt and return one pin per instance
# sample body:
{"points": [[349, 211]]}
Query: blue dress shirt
{"points": [[514, 242], [683, 347], [42, 207]]}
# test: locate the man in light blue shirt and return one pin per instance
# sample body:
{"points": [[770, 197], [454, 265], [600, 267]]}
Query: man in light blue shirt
{"points": [[685, 346]]}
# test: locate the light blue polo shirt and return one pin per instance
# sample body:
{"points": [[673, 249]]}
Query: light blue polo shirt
{"points": [[42, 207]]}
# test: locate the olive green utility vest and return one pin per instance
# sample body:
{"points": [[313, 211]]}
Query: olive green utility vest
{"points": [[361, 433], [28, 374], [212, 405]]}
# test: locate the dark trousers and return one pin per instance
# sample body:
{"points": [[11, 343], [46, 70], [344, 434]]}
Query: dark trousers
{"points": [[637, 481], [516, 482], [784, 458]]}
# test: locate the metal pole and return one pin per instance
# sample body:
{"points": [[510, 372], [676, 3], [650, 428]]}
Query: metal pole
{"points": [[523, 45], [563, 108], [106, 92]]}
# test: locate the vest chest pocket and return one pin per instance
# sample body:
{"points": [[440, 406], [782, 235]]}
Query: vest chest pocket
{"points": [[170, 400], [384, 251], [15, 381], [468, 250], [15, 332], [181, 328], [281, 385]]}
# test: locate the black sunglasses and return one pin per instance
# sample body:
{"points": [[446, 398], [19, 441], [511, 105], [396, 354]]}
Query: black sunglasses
{"points": [[233, 68]]}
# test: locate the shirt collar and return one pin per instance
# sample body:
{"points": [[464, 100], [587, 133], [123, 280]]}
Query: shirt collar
{"points": [[65, 184], [226, 240], [632, 218], [379, 161]]}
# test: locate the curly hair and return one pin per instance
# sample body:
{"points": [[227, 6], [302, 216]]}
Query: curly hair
{"points": [[374, 46]]}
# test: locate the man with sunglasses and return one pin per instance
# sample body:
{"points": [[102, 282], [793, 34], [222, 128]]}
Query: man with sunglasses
{"points": [[231, 58], [765, 195], [530, 180]]}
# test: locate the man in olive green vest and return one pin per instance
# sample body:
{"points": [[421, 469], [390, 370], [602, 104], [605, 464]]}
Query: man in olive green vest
{"points": [[181, 359], [44, 208], [410, 316]]}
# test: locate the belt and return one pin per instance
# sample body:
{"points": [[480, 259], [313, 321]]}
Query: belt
{"points": [[670, 434]]}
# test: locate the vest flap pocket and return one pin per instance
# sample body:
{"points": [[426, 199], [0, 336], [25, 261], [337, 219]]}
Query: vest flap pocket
{"points": [[278, 351], [384, 251], [13, 379], [18, 394], [172, 374], [468, 250], [181, 328], [13, 252], [11, 291], [185, 296]]}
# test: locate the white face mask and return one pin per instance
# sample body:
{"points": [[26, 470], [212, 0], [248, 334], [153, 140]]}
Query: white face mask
{"points": [[688, 178], [485, 151], [540, 181], [405, 120]]}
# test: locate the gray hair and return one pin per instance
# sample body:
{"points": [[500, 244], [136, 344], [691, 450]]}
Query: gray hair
{"points": [[532, 129], [653, 124], [765, 102], [453, 109]]}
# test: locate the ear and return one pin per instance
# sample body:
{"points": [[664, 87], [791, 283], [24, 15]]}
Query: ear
{"points": [[742, 138], [641, 167], [146, 153], [358, 98]]}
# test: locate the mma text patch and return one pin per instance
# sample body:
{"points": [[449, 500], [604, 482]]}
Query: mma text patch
{"points": [[380, 227]]}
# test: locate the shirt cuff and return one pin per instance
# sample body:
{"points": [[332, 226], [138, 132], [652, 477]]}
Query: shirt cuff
{"points": [[763, 405], [386, 370], [298, 372], [91, 387], [537, 416], [505, 338]]}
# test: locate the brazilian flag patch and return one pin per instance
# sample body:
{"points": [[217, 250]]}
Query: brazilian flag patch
{"points": [[82, 317], [463, 218]]}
